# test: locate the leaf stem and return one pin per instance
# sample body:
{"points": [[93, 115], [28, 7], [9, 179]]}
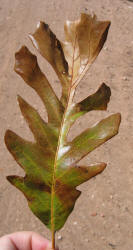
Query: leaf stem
{"points": [[53, 240]]}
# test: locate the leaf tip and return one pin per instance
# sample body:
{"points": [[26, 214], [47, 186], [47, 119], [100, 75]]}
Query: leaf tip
{"points": [[7, 136], [102, 166], [21, 101], [99, 167], [106, 92], [40, 27], [118, 119], [10, 178], [21, 52], [114, 123], [15, 180], [25, 62]]}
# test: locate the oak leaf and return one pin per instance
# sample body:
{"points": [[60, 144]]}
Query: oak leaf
{"points": [[50, 162]]}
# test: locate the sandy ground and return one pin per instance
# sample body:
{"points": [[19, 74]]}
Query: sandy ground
{"points": [[103, 215]]}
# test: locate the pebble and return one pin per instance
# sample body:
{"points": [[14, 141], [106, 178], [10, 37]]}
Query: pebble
{"points": [[75, 223], [87, 240], [105, 48], [94, 214], [124, 78], [102, 215], [117, 225], [59, 237], [92, 196], [112, 245]]}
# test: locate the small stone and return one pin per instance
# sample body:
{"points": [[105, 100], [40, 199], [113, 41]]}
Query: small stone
{"points": [[92, 196], [126, 209], [75, 223], [59, 237], [94, 214], [124, 78], [112, 245], [117, 225], [102, 215], [105, 48], [87, 240]]}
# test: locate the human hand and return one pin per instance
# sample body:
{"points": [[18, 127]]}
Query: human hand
{"points": [[24, 241]]}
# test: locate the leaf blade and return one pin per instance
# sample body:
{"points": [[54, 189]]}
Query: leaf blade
{"points": [[86, 36], [91, 139], [96, 101], [31, 157], [44, 134], [27, 67], [50, 48], [76, 175]]}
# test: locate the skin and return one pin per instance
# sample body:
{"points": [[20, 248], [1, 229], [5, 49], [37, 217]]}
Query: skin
{"points": [[24, 241]]}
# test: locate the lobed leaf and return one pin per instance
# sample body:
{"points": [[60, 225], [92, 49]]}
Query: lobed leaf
{"points": [[50, 162]]}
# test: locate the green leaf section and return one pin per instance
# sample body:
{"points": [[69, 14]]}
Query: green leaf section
{"points": [[50, 162], [44, 133], [90, 139]]}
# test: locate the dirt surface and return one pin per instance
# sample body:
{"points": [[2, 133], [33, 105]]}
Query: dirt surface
{"points": [[103, 215]]}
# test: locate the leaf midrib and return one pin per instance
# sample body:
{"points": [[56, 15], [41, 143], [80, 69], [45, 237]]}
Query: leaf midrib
{"points": [[59, 143]]}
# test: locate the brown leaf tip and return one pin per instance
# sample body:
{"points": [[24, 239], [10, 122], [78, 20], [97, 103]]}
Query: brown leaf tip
{"points": [[106, 91], [8, 136], [22, 103], [114, 124], [101, 166], [25, 62], [40, 31]]}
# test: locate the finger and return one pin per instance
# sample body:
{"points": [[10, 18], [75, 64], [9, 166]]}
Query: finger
{"points": [[29, 241], [6, 244]]}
